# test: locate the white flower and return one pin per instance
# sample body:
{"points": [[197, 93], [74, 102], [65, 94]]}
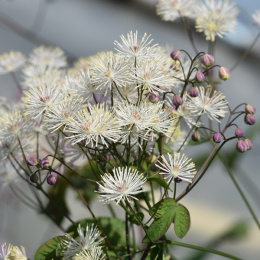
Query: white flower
{"points": [[211, 103], [122, 185], [5, 251], [84, 246], [92, 125], [17, 254], [170, 10], [217, 17], [135, 47], [177, 167], [256, 18], [48, 57], [96, 253]]}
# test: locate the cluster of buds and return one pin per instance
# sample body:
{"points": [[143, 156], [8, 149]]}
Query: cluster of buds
{"points": [[41, 164], [250, 111], [244, 145]]}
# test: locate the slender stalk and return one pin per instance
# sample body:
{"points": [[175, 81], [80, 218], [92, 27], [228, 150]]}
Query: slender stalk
{"points": [[127, 236], [212, 251]]}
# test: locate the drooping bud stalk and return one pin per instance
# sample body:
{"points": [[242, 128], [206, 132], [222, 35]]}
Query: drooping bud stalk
{"points": [[194, 92], [51, 180], [177, 101], [241, 146], [239, 132], [249, 119], [154, 97], [32, 161], [175, 55], [249, 144], [250, 109], [217, 138], [224, 73], [34, 178], [200, 77], [208, 60], [195, 136], [44, 162]]}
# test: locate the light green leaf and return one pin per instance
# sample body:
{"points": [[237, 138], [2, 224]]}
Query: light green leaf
{"points": [[160, 182], [181, 221]]}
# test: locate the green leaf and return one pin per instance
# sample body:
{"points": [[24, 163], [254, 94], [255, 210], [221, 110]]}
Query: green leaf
{"points": [[114, 228], [48, 249], [163, 212], [160, 182], [201, 141], [166, 148], [133, 219], [156, 253], [181, 221]]}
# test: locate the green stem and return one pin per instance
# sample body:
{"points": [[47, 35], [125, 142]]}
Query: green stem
{"points": [[239, 190], [203, 249]]}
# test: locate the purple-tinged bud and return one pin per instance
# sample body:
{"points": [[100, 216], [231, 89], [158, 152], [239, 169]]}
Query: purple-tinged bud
{"points": [[195, 136], [200, 77], [241, 146], [208, 60], [249, 119], [194, 92], [34, 178], [154, 97], [44, 162], [177, 180], [177, 101], [32, 161], [249, 144], [217, 138], [175, 55], [51, 180], [224, 73], [250, 109], [239, 132]]}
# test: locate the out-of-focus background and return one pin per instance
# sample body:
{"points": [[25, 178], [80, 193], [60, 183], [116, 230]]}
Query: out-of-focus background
{"points": [[83, 28]]}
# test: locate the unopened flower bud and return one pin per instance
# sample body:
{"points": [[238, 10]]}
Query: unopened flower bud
{"points": [[195, 136], [51, 180], [44, 162], [32, 161], [249, 119], [217, 138], [194, 92], [208, 60], [200, 77], [34, 178], [249, 144], [154, 97], [175, 55], [224, 73], [177, 180], [239, 132], [177, 101], [250, 109], [241, 146]]}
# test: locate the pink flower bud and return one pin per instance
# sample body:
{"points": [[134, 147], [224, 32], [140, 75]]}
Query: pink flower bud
{"points": [[249, 119], [194, 92], [249, 144], [195, 136], [32, 161], [239, 132], [177, 101], [241, 146], [208, 60], [200, 77], [154, 97], [175, 55], [217, 138], [44, 162], [250, 109], [51, 180], [34, 178], [224, 73]]}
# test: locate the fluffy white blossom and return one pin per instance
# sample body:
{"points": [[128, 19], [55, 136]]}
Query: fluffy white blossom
{"points": [[123, 184]]}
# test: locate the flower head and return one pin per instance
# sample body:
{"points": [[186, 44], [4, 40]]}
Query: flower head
{"points": [[122, 185], [84, 246], [177, 167]]}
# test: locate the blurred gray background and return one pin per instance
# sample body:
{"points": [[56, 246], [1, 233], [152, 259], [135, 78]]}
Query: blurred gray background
{"points": [[85, 27]]}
